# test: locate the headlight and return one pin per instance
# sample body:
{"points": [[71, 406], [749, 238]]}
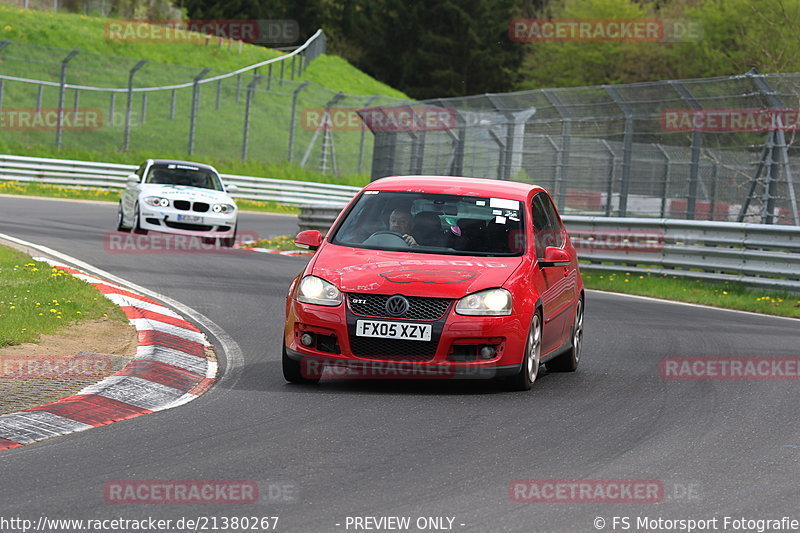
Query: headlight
{"points": [[222, 208], [314, 290], [493, 302], [156, 201]]}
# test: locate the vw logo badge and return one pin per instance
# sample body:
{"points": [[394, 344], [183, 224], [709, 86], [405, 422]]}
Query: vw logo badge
{"points": [[397, 305]]}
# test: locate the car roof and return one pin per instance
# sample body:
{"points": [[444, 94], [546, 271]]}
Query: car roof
{"points": [[179, 162], [459, 185]]}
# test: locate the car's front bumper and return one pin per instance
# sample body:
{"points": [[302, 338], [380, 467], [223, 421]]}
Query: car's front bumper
{"points": [[458, 340], [200, 224]]}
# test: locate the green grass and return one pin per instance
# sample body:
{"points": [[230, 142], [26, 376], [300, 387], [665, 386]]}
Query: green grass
{"points": [[38, 299], [219, 130], [283, 242], [722, 294]]}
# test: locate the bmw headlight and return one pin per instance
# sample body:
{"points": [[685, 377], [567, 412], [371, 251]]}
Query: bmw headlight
{"points": [[222, 208], [314, 290], [492, 302], [156, 201]]}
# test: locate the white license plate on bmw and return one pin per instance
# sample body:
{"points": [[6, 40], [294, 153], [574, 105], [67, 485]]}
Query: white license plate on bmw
{"points": [[393, 330], [189, 218]]}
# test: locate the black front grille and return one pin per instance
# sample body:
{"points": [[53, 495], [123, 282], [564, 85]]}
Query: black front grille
{"points": [[200, 207], [393, 349], [190, 227], [418, 309], [183, 205]]}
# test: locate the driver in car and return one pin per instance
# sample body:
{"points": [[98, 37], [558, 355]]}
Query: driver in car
{"points": [[401, 221]]}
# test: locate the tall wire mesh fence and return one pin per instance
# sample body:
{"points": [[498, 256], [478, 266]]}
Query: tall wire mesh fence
{"points": [[705, 149], [265, 113]]}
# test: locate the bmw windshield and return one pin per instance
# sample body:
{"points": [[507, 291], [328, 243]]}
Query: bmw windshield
{"points": [[434, 223], [183, 175]]}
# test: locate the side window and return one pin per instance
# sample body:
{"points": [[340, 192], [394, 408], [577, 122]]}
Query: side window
{"points": [[556, 227], [548, 229], [140, 171]]}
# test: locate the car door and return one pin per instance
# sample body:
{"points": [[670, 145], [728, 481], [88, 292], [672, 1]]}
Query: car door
{"points": [[559, 286]]}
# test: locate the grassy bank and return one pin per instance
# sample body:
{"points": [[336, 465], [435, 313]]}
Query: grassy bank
{"points": [[723, 294], [38, 299]]}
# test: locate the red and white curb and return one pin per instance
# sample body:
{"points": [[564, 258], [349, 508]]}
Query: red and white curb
{"points": [[170, 369]]}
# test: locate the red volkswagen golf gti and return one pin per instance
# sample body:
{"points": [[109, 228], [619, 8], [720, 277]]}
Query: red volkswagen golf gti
{"points": [[431, 276]]}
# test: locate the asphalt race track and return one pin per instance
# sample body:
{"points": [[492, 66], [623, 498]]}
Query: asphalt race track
{"points": [[420, 449]]}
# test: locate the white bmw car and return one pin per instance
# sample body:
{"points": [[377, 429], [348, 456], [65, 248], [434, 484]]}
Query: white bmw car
{"points": [[178, 197]]}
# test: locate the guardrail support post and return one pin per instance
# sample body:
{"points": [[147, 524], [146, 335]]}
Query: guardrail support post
{"points": [[127, 134], [61, 90], [250, 89], [195, 105], [295, 94]]}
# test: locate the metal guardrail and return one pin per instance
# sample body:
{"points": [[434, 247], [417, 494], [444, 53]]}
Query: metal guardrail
{"points": [[71, 173], [757, 255]]}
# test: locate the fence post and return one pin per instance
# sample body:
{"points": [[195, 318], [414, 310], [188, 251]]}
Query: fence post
{"points": [[283, 65], [110, 107], [697, 145], [562, 160], [667, 176], [61, 90], [363, 133], [3, 44], [269, 76], [195, 105], [627, 148], [295, 94], [779, 143], [612, 160], [76, 101], [219, 89], [129, 104], [39, 94], [144, 107], [172, 106], [250, 88]]}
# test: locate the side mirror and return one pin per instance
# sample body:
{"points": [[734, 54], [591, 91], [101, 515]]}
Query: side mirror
{"points": [[554, 257], [310, 239], [232, 188], [133, 178]]}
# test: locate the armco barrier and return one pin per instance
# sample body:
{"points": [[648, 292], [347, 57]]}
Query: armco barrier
{"points": [[71, 173], [757, 255]]}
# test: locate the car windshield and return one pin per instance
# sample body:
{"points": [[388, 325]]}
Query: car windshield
{"points": [[433, 223], [186, 175]]}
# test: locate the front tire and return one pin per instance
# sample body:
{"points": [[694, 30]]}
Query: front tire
{"points": [[293, 372], [121, 219], [137, 228], [568, 361], [524, 380], [228, 242]]}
